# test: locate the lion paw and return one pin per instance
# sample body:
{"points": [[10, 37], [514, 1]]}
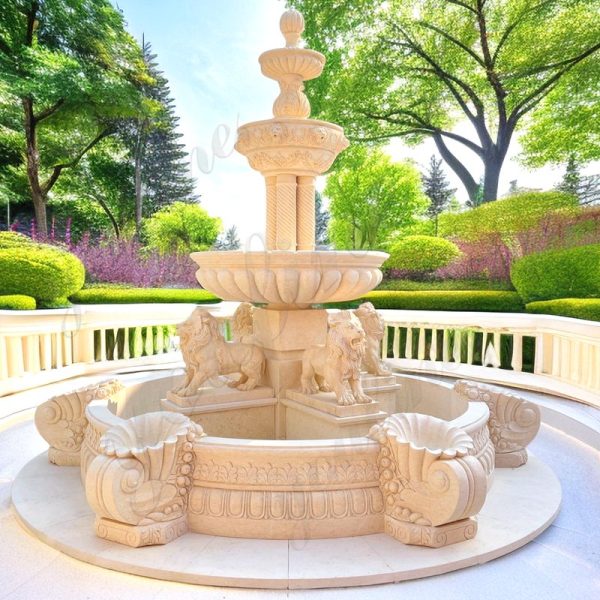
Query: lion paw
{"points": [[346, 399], [363, 399], [325, 388], [244, 387]]}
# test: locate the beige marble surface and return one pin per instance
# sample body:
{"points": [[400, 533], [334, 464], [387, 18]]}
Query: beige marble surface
{"points": [[49, 502]]}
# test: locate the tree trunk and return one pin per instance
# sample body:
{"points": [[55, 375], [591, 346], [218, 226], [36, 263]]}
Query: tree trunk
{"points": [[38, 196], [138, 194], [463, 174], [493, 165]]}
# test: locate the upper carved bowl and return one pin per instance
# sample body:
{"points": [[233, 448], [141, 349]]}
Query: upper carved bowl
{"points": [[299, 146], [289, 279], [278, 63]]}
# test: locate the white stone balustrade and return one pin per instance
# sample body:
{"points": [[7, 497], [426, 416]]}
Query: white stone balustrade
{"points": [[38, 347], [490, 347], [44, 346]]}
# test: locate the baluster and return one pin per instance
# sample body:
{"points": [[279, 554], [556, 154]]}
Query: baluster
{"points": [[149, 342], [470, 346], [421, 350], [565, 358], [160, 340], [126, 353], [14, 347], [594, 367], [46, 351], [517, 352], [138, 342], [483, 347], [456, 346], [83, 346], [409, 345], [445, 347], [433, 349], [575, 360], [539, 360], [102, 333], [31, 353], [556, 356], [67, 339], [396, 346], [57, 350]]}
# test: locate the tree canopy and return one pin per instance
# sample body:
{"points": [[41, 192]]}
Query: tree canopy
{"points": [[371, 197], [68, 72], [415, 69]]}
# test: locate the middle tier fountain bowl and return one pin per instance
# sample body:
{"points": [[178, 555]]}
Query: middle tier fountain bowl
{"points": [[289, 279]]}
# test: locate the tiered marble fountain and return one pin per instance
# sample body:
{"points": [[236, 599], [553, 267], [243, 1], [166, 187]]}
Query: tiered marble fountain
{"points": [[317, 438]]}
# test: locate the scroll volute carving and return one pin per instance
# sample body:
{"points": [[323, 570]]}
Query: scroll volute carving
{"points": [[143, 473], [513, 423], [61, 421], [426, 475]]}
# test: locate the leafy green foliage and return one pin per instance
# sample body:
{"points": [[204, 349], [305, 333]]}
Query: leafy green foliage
{"points": [[578, 308], [371, 197], [321, 221], [69, 72], [44, 272], [422, 253], [570, 273], [229, 240], [115, 295], [408, 285], [414, 69], [182, 227], [17, 302], [13, 239], [508, 216], [478, 301], [437, 189]]}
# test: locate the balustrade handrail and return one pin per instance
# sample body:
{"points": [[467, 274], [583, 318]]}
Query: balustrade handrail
{"points": [[41, 346]]}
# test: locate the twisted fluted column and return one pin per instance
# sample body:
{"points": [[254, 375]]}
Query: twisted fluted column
{"points": [[271, 185], [286, 213], [305, 211]]}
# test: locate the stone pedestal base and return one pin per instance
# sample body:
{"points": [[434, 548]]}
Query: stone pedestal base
{"points": [[284, 335], [212, 396], [141, 535], [511, 460], [430, 535]]}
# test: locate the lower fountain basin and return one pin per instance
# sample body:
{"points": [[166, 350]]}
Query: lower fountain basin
{"points": [[247, 483], [289, 279]]}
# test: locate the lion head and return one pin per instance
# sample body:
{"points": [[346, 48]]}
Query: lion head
{"points": [[242, 324], [345, 337], [199, 328], [371, 320]]}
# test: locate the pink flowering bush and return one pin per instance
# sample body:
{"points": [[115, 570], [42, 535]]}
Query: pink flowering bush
{"points": [[128, 262]]}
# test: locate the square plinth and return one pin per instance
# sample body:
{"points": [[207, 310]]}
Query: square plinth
{"points": [[289, 330], [433, 536], [327, 402]]}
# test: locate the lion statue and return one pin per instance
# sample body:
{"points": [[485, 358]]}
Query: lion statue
{"points": [[207, 355], [242, 325], [336, 366], [374, 327]]}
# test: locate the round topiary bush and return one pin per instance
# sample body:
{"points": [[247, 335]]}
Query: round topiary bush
{"points": [[48, 274], [421, 253], [17, 302], [570, 273], [12, 239]]}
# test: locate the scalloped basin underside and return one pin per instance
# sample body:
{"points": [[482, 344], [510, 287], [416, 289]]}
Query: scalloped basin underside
{"points": [[290, 279]]}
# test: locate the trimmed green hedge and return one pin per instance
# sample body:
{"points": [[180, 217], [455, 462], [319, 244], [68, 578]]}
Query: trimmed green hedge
{"points": [[478, 301], [578, 308], [421, 253], [12, 239], [48, 274], [571, 273], [98, 295], [409, 285], [17, 302]]}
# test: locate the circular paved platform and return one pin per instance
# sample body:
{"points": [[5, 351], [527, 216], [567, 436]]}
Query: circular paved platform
{"points": [[50, 503]]}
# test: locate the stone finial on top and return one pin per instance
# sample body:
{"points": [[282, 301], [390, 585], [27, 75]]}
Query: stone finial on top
{"points": [[292, 26]]}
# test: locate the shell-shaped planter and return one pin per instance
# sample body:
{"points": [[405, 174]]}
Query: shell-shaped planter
{"points": [[289, 279], [153, 439]]}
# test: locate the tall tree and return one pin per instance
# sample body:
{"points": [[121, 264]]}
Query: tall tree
{"points": [[229, 240], [572, 178], [371, 198], [437, 189], [321, 221], [68, 71], [414, 69], [161, 164]]}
